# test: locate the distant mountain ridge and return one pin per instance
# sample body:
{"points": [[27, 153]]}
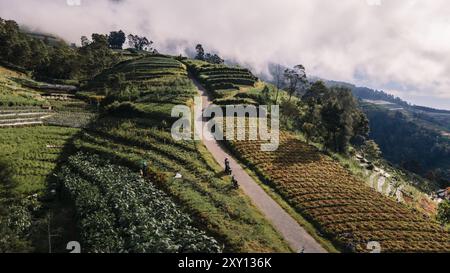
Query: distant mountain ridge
{"points": [[366, 93]]}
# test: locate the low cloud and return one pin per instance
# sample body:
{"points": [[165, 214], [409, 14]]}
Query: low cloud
{"points": [[396, 45]]}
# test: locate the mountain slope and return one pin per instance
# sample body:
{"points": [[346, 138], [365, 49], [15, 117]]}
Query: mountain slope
{"points": [[413, 137]]}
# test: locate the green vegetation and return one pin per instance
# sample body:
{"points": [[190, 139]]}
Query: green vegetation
{"points": [[121, 212], [32, 153], [410, 145], [147, 80], [29, 156], [54, 59], [337, 203], [13, 94], [418, 136], [207, 57], [443, 215], [133, 128], [329, 117], [111, 176]]}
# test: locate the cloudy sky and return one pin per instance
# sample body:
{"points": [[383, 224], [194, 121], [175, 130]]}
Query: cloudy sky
{"points": [[400, 46]]}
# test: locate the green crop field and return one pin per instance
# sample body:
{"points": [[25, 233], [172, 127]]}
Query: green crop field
{"points": [[33, 153], [119, 211]]}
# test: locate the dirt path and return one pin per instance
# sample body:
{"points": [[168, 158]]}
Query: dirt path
{"points": [[292, 232]]}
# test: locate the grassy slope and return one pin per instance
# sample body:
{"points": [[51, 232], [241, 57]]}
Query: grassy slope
{"points": [[29, 153], [27, 149], [12, 93], [32, 153]]}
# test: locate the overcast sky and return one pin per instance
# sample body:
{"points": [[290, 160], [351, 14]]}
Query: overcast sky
{"points": [[400, 46]]}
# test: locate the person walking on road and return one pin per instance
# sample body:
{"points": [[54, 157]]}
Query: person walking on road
{"points": [[227, 166]]}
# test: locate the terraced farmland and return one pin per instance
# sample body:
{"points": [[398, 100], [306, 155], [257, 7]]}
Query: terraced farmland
{"points": [[155, 79], [219, 79], [23, 117], [339, 204], [133, 131]]}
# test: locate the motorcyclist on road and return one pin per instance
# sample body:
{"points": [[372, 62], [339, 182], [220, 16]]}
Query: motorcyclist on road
{"points": [[234, 182]]}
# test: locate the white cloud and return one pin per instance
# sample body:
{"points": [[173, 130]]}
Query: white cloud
{"points": [[399, 42]]}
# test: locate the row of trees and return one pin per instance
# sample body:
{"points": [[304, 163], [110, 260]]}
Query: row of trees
{"points": [[207, 57], [330, 116], [53, 58], [116, 40], [293, 80]]}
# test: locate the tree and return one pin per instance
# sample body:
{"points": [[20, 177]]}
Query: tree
{"points": [[316, 93], [200, 52], [295, 77], [336, 115], [52, 58], [331, 121], [116, 39], [62, 62], [207, 57], [443, 214], [139, 43], [96, 55], [308, 130], [278, 77], [371, 150], [213, 58], [39, 54], [361, 128], [84, 41], [290, 113], [14, 44], [266, 93]]}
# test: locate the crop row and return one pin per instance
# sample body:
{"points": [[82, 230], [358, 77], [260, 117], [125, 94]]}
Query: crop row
{"points": [[217, 76], [338, 203]]}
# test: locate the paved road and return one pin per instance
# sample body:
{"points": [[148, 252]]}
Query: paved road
{"points": [[293, 233]]}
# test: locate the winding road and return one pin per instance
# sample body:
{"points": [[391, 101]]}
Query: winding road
{"points": [[288, 227]]}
